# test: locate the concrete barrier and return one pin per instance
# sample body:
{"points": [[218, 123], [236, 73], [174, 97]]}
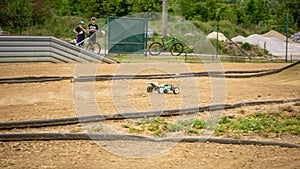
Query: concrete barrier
{"points": [[16, 49]]}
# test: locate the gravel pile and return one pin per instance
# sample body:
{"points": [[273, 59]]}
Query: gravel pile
{"points": [[213, 35], [272, 42], [296, 37]]}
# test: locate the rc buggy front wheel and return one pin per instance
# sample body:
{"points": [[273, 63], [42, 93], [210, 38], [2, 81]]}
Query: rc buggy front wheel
{"points": [[176, 90], [161, 90]]}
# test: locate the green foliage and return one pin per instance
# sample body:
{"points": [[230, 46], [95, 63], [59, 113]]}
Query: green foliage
{"points": [[138, 6], [153, 127], [144, 121], [243, 15], [126, 126], [198, 124], [96, 128], [172, 127], [287, 108], [158, 120], [224, 120], [159, 127], [246, 46], [291, 6], [193, 131], [242, 111], [133, 130], [186, 123], [159, 133], [10, 13], [262, 123]]}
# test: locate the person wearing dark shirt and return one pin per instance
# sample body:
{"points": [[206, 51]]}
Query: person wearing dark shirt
{"points": [[92, 29], [80, 32]]}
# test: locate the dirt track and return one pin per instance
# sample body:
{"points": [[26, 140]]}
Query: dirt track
{"points": [[56, 100], [86, 154]]}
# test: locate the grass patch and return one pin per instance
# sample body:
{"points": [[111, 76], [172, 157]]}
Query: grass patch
{"points": [[287, 108], [242, 111], [133, 130], [172, 127], [76, 130], [126, 126], [140, 58], [297, 104], [143, 121], [159, 133], [260, 123], [153, 127], [96, 128], [198, 124], [193, 131], [159, 127]]}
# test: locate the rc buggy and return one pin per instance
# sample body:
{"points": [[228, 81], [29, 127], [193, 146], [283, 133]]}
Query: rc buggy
{"points": [[163, 88]]}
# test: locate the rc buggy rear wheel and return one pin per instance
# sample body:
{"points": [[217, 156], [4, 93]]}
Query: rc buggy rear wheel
{"points": [[149, 89]]}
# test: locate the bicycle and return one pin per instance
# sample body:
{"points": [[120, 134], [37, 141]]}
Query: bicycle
{"points": [[176, 48], [92, 45]]}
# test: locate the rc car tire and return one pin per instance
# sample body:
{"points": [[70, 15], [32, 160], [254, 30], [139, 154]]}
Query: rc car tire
{"points": [[161, 90], [176, 90], [149, 89]]}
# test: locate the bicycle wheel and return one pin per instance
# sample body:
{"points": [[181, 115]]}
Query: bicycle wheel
{"points": [[176, 49], [94, 48], [155, 48]]}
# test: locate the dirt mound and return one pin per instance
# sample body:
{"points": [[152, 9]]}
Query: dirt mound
{"points": [[238, 38], [213, 35], [275, 34], [272, 42]]}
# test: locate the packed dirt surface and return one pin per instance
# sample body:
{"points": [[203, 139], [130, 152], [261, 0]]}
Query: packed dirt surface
{"points": [[59, 99], [87, 154], [68, 98], [69, 69]]}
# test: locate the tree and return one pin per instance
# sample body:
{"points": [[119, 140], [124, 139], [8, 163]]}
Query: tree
{"points": [[139, 6], [12, 10], [42, 11], [292, 7]]}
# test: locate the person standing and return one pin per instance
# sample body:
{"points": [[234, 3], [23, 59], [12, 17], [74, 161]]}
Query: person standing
{"points": [[92, 29], [80, 32]]}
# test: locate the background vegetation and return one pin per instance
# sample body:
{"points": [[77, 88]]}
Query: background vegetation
{"points": [[59, 17]]}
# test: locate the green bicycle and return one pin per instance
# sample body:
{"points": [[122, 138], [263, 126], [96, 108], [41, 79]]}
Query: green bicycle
{"points": [[176, 48]]}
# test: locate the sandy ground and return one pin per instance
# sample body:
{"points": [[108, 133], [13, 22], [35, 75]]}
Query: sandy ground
{"points": [[46, 100], [86, 154]]}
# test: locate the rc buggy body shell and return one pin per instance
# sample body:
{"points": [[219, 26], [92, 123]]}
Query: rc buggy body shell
{"points": [[162, 88]]}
